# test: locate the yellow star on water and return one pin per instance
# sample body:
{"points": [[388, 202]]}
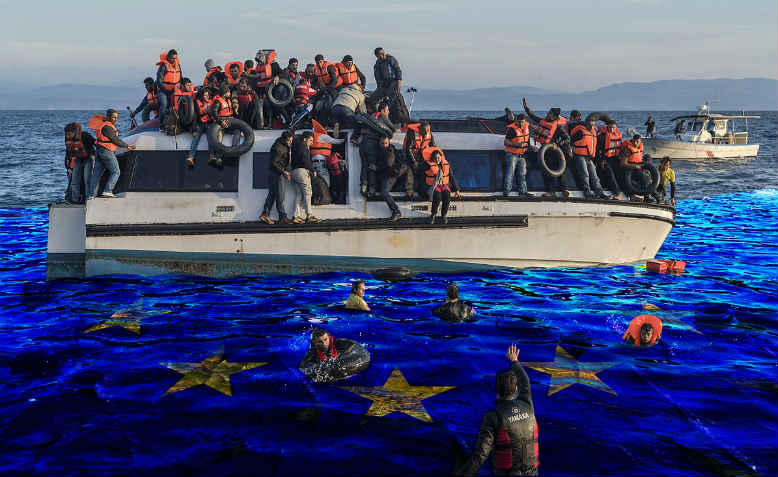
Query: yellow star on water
{"points": [[214, 372], [566, 371], [396, 395], [123, 319]]}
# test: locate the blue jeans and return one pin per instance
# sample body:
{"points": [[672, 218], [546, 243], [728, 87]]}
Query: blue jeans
{"points": [[588, 175], [163, 104], [82, 173], [275, 195], [105, 160], [199, 132], [513, 164]]}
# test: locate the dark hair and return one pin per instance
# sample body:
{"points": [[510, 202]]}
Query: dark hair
{"points": [[424, 124], [318, 57], [382, 104], [148, 79], [318, 333], [202, 91], [248, 64], [666, 160], [287, 134], [306, 135], [347, 58], [378, 48], [293, 60], [234, 65], [636, 137], [110, 111], [71, 127], [185, 80], [521, 117], [610, 122], [172, 52], [223, 89], [575, 112], [355, 285], [452, 291], [505, 384]]}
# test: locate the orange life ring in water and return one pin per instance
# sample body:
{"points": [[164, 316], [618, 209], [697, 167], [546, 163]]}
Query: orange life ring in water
{"points": [[634, 329]]}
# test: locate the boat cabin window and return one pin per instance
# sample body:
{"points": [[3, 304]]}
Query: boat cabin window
{"points": [[472, 169], [695, 126], [165, 171]]}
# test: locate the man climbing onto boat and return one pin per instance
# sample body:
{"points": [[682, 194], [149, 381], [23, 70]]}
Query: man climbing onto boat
{"points": [[666, 174], [106, 141], [510, 431], [453, 310], [368, 150], [79, 162], [150, 100], [390, 169], [388, 78], [546, 130]]}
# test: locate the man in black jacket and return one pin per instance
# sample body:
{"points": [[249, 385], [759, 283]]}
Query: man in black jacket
{"points": [[80, 160], [302, 172], [280, 161], [510, 430], [368, 150], [390, 170], [389, 80]]}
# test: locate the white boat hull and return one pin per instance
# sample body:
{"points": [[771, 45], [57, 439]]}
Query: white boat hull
{"points": [[697, 150]]}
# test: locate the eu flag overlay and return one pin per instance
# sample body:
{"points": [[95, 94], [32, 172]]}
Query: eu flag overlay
{"points": [[179, 375]]}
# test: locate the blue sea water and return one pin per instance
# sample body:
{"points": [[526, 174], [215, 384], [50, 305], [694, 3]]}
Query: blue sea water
{"points": [[77, 398]]}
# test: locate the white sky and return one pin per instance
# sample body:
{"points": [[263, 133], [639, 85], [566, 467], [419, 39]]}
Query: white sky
{"points": [[563, 45]]}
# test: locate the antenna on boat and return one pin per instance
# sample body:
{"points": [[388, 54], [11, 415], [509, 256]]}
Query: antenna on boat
{"points": [[413, 91]]}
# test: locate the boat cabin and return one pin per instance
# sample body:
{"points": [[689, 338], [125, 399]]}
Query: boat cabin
{"points": [[710, 128]]}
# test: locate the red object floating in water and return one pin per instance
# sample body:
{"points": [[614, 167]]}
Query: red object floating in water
{"points": [[637, 323], [665, 266]]}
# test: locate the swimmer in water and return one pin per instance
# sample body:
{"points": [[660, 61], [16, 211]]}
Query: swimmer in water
{"points": [[356, 300]]}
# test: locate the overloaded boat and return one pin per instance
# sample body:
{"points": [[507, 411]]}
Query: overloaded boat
{"points": [[202, 220], [704, 135]]}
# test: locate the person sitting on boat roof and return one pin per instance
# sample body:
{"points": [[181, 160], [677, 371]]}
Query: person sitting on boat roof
{"points": [[182, 89], [680, 128], [453, 310], [106, 141], [608, 151], [211, 68], [203, 102], [278, 177], [234, 70], [390, 169], [265, 72], [440, 180], [168, 76], [368, 150], [248, 103], [650, 125], [349, 74], [510, 431], [666, 174], [546, 130], [516, 143], [389, 79], [584, 137], [325, 75], [632, 158], [150, 100], [79, 162], [221, 109], [417, 137], [248, 65], [356, 299], [302, 171]]}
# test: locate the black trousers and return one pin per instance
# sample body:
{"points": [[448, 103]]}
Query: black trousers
{"points": [[338, 187], [605, 171], [437, 198], [387, 183]]}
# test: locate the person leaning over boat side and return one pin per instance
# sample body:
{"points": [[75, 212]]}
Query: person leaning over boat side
{"points": [[79, 161], [302, 171], [417, 137], [650, 125], [168, 76], [631, 158], [356, 299], [349, 74], [106, 141], [545, 130], [516, 142], [440, 180], [584, 137], [390, 169], [608, 151], [510, 431], [280, 162], [151, 99], [203, 101], [389, 78], [666, 175], [321, 149], [368, 150], [453, 310]]}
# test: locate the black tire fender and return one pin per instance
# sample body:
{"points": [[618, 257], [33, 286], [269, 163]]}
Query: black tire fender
{"points": [[345, 365], [652, 185], [544, 157], [186, 111], [393, 274], [598, 116], [233, 124], [275, 96]]}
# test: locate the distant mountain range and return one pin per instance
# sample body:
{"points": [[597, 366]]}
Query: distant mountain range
{"points": [[726, 94]]}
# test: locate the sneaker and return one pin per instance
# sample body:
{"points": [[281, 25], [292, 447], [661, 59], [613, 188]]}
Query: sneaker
{"points": [[212, 160], [395, 216], [633, 197], [312, 220], [565, 193], [432, 220], [548, 194], [109, 195], [298, 220], [190, 161], [285, 221], [264, 218]]}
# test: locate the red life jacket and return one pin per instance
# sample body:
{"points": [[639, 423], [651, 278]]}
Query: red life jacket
{"points": [[320, 148], [333, 164], [347, 75], [230, 79], [638, 322], [151, 98], [225, 106], [75, 147], [521, 137], [96, 124], [215, 69], [322, 75], [612, 142], [545, 131], [203, 108], [179, 93], [503, 453], [432, 173], [264, 74], [303, 93], [419, 142], [172, 74], [587, 145], [331, 351], [634, 153]]}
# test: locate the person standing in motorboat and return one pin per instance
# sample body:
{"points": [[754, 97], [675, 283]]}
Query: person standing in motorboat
{"points": [[440, 181], [390, 169], [575, 120], [79, 162], [106, 141], [204, 120], [608, 151], [302, 171], [516, 143], [210, 69], [680, 128], [265, 72], [584, 138], [278, 175], [168, 76], [151, 99], [650, 125], [546, 130], [388, 78], [631, 158], [666, 175]]}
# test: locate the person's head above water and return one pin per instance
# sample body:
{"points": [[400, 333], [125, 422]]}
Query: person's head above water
{"points": [[358, 288], [646, 334], [506, 385], [666, 163], [320, 339], [452, 292]]}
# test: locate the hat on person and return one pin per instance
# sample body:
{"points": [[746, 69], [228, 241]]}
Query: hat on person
{"points": [[260, 56], [347, 58], [209, 63], [556, 111]]}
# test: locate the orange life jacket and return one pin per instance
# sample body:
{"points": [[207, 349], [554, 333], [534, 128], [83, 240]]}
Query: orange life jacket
{"points": [[172, 74], [432, 173], [215, 69], [75, 147], [318, 147], [587, 145], [634, 153], [322, 75], [638, 322], [347, 75], [230, 79], [333, 164], [179, 93], [545, 131], [264, 74], [522, 137], [419, 142], [151, 98], [203, 108], [611, 142], [225, 106], [96, 124]]}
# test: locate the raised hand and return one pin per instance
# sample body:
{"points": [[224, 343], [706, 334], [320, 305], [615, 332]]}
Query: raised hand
{"points": [[513, 353]]}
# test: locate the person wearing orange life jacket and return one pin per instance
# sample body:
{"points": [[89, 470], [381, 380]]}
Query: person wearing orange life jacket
{"points": [[234, 71], [440, 181], [417, 137], [348, 73], [150, 100], [106, 141], [584, 138], [168, 76], [631, 158], [221, 109], [290, 73], [303, 93], [202, 107], [210, 69], [510, 431], [321, 149], [338, 172], [608, 150], [247, 103], [326, 75], [516, 143], [79, 161], [184, 88], [544, 131], [265, 72]]}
